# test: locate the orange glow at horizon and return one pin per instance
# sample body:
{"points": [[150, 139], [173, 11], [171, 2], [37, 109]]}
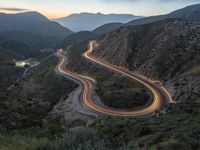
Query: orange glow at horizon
{"points": [[55, 15], [52, 15], [63, 8], [49, 15]]}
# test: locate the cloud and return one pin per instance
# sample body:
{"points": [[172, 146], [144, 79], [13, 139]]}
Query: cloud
{"points": [[13, 9], [179, 1], [150, 0]]}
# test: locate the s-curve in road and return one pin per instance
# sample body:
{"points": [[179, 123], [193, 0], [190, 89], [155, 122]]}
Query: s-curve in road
{"points": [[160, 94]]}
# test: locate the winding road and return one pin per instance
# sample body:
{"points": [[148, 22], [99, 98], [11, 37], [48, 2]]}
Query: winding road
{"points": [[160, 95]]}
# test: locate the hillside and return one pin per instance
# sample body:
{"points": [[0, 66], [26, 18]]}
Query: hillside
{"points": [[32, 29], [190, 13], [32, 22], [77, 22], [152, 50], [13, 50], [78, 37], [32, 40], [167, 50], [110, 87], [37, 109], [25, 107], [10, 50], [107, 28], [166, 132]]}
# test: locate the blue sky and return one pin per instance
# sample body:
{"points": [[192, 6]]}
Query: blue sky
{"points": [[60, 8]]}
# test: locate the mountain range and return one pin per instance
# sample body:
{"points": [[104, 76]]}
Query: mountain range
{"points": [[32, 22], [32, 28], [90, 21], [37, 31], [191, 13]]}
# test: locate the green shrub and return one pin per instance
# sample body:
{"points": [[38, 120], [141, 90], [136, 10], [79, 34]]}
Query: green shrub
{"points": [[83, 139]]}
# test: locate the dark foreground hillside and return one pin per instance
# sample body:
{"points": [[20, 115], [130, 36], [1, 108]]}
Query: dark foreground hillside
{"points": [[26, 100], [178, 129]]}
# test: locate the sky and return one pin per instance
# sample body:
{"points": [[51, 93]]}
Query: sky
{"points": [[60, 8]]}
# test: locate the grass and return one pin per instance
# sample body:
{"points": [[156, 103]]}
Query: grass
{"points": [[82, 139], [178, 129], [30, 138], [21, 142], [23, 121]]}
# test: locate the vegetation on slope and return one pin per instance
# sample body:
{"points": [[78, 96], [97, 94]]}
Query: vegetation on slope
{"points": [[33, 41], [178, 129], [163, 50], [24, 121], [77, 38], [113, 89]]}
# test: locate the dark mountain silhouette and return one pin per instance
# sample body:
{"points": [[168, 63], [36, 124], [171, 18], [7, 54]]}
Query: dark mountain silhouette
{"points": [[32, 22], [191, 13], [32, 29]]}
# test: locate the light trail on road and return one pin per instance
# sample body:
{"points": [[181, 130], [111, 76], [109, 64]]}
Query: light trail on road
{"points": [[160, 94]]}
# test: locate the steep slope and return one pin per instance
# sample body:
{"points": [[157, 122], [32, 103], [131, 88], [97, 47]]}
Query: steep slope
{"points": [[34, 41], [167, 50], [107, 27], [25, 108], [78, 37], [90, 21], [111, 87], [32, 22], [12, 49], [32, 29], [191, 13], [166, 132]]}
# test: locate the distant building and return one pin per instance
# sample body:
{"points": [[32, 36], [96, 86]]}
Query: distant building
{"points": [[21, 64]]}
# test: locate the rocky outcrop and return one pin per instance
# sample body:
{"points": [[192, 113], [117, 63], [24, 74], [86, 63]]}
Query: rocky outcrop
{"points": [[185, 88]]}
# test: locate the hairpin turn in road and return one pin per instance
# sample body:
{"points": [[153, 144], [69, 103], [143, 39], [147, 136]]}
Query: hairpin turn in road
{"points": [[160, 94]]}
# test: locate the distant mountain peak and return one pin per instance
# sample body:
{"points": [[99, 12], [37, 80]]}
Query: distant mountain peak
{"points": [[191, 13], [32, 14], [32, 22], [89, 21], [28, 13]]}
